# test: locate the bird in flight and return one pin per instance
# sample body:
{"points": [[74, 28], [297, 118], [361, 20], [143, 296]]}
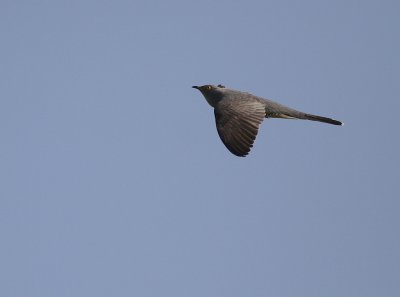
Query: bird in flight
{"points": [[238, 116]]}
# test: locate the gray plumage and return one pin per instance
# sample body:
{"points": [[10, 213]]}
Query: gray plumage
{"points": [[238, 116]]}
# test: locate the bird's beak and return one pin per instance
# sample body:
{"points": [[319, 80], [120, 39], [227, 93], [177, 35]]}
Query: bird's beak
{"points": [[196, 87]]}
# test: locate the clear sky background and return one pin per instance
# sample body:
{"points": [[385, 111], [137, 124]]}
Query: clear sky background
{"points": [[114, 181]]}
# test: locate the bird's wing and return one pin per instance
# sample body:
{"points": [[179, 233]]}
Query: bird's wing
{"points": [[237, 124]]}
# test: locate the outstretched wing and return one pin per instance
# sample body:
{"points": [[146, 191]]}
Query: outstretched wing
{"points": [[237, 124]]}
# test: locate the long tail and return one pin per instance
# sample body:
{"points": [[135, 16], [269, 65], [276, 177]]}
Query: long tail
{"points": [[312, 117], [294, 114], [276, 110]]}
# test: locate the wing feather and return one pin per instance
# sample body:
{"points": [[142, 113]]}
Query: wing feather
{"points": [[237, 124]]}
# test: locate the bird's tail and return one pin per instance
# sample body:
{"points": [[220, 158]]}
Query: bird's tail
{"points": [[312, 117], [294, 114], [275, 110]]}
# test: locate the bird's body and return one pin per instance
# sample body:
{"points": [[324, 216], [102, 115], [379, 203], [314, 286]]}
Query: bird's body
{"points": [[238, 116]]}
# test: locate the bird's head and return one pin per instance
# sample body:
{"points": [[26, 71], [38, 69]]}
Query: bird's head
{"points": [[213, 94]]}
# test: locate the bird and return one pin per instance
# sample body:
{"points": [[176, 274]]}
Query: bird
{"points": [[238, 116]]}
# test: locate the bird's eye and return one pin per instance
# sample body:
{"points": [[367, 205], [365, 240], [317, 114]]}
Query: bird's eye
{"points": [[208, 88]]}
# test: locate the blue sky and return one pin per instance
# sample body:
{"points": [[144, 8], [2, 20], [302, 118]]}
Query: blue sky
{"points": [[114, 180]]}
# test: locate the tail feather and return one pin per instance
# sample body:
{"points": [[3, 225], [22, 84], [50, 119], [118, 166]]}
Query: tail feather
{"points": [[312, 117], [276, 110]]}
